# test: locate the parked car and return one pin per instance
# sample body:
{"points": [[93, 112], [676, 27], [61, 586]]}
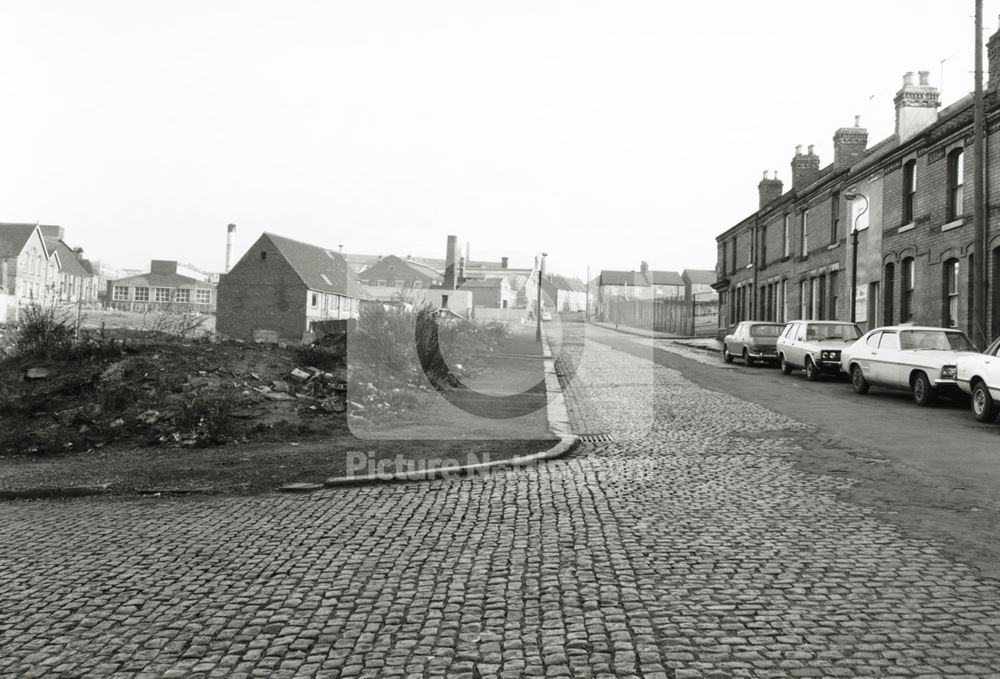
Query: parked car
{"points": [[752, 341], [979, 375], [918, 359], [814, 346]]}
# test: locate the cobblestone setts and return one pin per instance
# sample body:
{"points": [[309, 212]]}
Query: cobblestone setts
{"points": [[678, 550]]}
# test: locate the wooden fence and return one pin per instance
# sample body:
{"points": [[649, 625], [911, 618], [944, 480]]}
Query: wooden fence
{"points": [[697, 318]]}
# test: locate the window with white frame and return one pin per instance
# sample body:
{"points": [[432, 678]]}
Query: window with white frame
{"points": [[909, 279], [951, 289], [161, 294], [182, 295], [909, 190], [120, 293], [956, 175], [142, 294], [804, 233], [202, 296]]}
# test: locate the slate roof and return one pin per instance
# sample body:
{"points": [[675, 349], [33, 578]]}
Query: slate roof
{"points": [[481, 283], [665, 278], [419, 268], [634, 278], [700, 276], [564, 283], [162, 280], [14, 236], [67, 258], [320, 269], [425, 269]]}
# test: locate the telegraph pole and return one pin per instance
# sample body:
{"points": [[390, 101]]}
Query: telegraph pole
{"points": [[979, 335]]}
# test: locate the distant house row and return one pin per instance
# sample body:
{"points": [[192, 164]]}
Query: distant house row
{"points": [[651, 284], [281, 289], [36, 264]]}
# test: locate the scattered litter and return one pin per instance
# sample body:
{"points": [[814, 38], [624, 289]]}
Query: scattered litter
{"points": [[36, 373]]}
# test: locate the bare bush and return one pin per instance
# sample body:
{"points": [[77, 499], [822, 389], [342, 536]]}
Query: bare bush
{"points": [[173, 324], [43, 331]]}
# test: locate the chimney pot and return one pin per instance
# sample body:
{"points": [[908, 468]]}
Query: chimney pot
{"points": [[810, 151], [857, 121], [907, 78], [765, 174], [925, 77], [798, 149]]}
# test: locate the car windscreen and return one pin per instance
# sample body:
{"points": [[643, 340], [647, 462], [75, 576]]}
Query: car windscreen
{"points": [[934, 339], [844, 331], [765, 330]]}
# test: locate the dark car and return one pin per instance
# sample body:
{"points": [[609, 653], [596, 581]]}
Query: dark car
{"points": [[752, 341]]}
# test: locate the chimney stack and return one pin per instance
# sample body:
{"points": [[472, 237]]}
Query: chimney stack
{"points": [[503, 262], [916, 105], [230, 237], [849, 144], [769, 189], [993, 61], [805, 168], [644, 267], [451, 263]]}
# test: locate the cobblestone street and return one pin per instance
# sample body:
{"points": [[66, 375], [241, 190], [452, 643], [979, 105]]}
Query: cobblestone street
{"points": [[687, 545]]}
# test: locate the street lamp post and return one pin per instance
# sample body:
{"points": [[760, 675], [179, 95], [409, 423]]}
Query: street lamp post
{"points": [[854, 253], [538, 307]]}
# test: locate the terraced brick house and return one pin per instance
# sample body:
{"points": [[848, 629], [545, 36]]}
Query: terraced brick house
{"points": [[792, 257]]}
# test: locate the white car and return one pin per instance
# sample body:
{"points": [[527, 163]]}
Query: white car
{"points": [[918, 359], [979, 375], [814, 346]]}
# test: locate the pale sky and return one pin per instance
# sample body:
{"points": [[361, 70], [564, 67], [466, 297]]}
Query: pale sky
{"points": [[603, 133]]}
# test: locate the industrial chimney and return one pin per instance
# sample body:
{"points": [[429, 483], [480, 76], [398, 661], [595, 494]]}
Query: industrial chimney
{"points": [[451, 264], [230, 237]]}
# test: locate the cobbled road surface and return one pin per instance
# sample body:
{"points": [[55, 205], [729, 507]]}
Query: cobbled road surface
{"points": [[684, 546]]}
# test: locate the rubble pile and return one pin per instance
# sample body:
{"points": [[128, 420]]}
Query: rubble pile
{"points": [[171, 393]]}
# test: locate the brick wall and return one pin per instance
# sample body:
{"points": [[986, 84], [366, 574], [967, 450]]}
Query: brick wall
{"points": [[931, 238], [261, 294]]}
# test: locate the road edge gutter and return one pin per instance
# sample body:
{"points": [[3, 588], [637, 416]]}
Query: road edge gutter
{"points": [[559, 425]]}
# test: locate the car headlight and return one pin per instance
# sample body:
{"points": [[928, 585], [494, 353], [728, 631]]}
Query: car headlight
{"points": [[949, 372]]}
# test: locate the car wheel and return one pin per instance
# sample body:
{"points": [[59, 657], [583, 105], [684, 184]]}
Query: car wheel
{"points": [[983, 406], [812, 372], [746, 357], [785, 368], [923, 392], [726, 356], [858, 380]]}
